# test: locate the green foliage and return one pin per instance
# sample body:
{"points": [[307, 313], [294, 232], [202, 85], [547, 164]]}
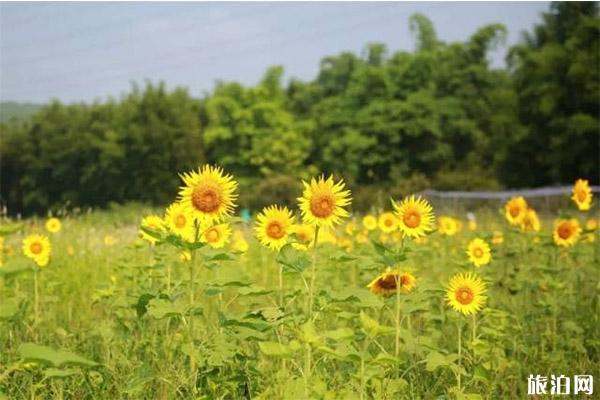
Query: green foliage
{"points": [[437, 117]]}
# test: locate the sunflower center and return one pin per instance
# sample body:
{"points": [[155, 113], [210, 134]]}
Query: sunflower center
{"points": [[388, 222], [275, 230], [388, 282], [412, 219], [36, 248], [212, 235], [464, 295], [478, 252], [322, 206], [564, 231], [180, 221], [206, 198], [514, 211], [581, 195], [404, 280]]}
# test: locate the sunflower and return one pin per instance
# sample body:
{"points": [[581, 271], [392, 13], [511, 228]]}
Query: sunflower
{"points": [[388, 282], [53, 225], [415, 216], [591, 224], [531, 222], [350, 228], [37, 247], [180, 221], [273, 226], [216, 235], [466, 293], [566, 232], [388, 222], [154, 223], [304, 235], [448, 226], [582, 194], [240, 245], [497, 237], [515, 210], [479, 252], [109, 240], [323, 201], [369, 222], [208, 194], [362, 237]]}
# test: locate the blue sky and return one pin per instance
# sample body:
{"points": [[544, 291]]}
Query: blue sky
{"points": [[90, 51]]}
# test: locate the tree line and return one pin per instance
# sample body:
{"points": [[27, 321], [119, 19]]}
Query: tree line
{"points": [[438, 116]]}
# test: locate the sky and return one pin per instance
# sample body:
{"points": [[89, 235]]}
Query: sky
{"points": [[92, 51]]}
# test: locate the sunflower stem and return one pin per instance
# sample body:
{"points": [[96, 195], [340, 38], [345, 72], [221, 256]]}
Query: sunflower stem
{"points": [[458, 378], [308, 358], [281, 303], [191, 309], [36, 297]]}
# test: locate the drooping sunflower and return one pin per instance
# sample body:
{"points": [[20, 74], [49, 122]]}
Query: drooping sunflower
{"points": [[415, 216], [180, 221], [273, 226], [515, 210], [582, 194], [208, 194], [37, 247], [323, 201], [154, 223], [391, 281], [479, 252], [216, 236], [448, 226], [531, 222], [369, 222], [466, 293], [566, 232], [53, 225], [388, 222]]}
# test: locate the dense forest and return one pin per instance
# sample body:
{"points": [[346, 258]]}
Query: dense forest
{"points": [[439, 117]]}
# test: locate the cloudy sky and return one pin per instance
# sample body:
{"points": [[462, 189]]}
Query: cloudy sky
{"points": [[90, 51]]}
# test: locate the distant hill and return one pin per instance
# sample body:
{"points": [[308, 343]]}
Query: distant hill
{"points": [[19, 111]]}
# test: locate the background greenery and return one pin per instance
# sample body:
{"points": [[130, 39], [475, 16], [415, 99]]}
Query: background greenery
{"points": [[391, 123]]}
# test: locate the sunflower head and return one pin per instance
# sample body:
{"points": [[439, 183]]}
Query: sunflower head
{"points": [[109, 240], [566, 232], [392, 281], [53, 225], [369, 222], [323, 201], [591, 224], [582, 194], [448, 226], [152, 222], [497, 237], [388, 222], [531, 222], [466, 293], [37, 247], [415, 216], [273, 226], [208, 194], [180, 221], [479, 252], [216, 236], [515, 210]]}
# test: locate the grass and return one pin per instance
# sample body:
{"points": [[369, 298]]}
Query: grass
{"points": [[118, 321]]}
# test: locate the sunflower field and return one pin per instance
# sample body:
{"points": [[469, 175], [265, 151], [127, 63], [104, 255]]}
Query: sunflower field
{"points": [[196, 302]]}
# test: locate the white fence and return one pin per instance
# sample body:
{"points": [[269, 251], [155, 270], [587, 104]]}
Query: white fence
{"points": [[504, 195]]}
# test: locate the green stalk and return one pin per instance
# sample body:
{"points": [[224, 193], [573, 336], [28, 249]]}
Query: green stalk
{"points": [[308, 356], [459, 356], [36, 297]]}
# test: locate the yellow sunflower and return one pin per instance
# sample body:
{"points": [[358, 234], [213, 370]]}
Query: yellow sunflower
{"points": [[466, 293], [388, 222], [208, 194], [479, 252], [582, 194], [53, 225], [37, 247], [323, 201], [531, 222], [154, 223], [566, 232], [498, 237], [390, 281], [350, 228], [415, 216], [362, 237], [515, 210], [216, 235], [304, 236], [591, 224], [448, 226], [369, 222], [180, 221], [273, 226]]}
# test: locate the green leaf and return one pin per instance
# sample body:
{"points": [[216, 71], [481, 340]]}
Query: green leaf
{"points": [[15, 267], [435, 360], [293, 259], [56, 358], [161, 308], [372, 327], [308, 333], [58, 373], [9, 307], [277, 349], [8, 229], [340, 334]]}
